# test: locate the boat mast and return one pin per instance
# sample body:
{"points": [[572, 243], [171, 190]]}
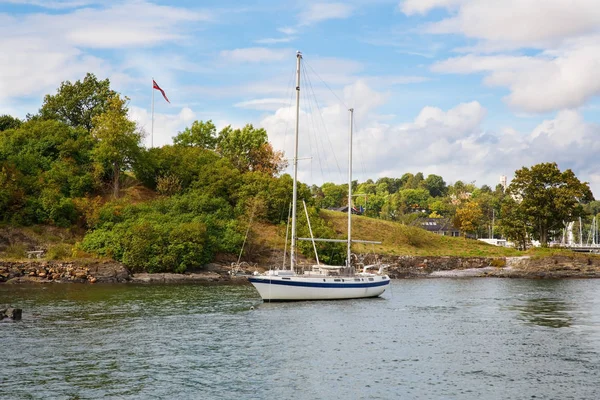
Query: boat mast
{"points": [[295, 161], [348, 262]]}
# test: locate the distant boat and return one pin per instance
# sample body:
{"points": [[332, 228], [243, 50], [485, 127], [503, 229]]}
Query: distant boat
{"points": [[321, 282]]}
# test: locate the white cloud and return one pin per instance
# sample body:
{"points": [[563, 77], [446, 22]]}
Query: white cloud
{"points": [[287, 30], [564, 78], [270, 104], [411, 7], [464, 119], [275, 40], [565, 73], [38, 51], [29, 66], [166, 126], [254, 55], [452, 143], [319, 12], [52, 4], [516, 23]]}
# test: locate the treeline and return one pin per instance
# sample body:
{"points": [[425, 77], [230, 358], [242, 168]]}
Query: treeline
{"points": [[69, 165], [66, 166], [537, 205]]}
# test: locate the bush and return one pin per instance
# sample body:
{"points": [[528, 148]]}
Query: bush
{"points": [[15, 251], [59, 252], [168, 185], [168, 235]]}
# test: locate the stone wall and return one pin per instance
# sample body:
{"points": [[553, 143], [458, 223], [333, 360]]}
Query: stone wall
{"points": [[419, 266], [55, 271]]}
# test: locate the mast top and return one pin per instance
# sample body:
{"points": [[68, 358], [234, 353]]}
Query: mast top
{"points": [[298, 54]]}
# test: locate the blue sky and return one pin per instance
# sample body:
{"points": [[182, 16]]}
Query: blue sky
{"points": [[466, 89]]}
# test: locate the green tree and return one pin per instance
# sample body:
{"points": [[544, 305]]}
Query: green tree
{"points": [[435, 185], [413, 200], [548, 198], [47, 161], [414, 182], [183, 163], [249, 150], [392, 185], [442, 206], [77, 104], [118, 142], [333, 195], [514, 223], [9, 122], [592, 208], [11, 194], [200, 134]]}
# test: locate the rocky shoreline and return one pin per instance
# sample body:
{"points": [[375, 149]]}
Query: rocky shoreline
{"points": [[551, 267]]}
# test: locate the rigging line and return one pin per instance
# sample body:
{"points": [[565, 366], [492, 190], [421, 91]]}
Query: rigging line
{"points": [[318, 123], [320, 137], [327, 136], [325, 128], [247, 231], [360, 154], [289, 107], [304, 101], [311, 115], [325, 83]]}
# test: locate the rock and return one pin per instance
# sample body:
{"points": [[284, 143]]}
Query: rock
{"points": [[14, 313], [92, 279], [80, 275], [10, 312]]}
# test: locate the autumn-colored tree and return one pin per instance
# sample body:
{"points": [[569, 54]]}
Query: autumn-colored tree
{"points": [[468, 216]]}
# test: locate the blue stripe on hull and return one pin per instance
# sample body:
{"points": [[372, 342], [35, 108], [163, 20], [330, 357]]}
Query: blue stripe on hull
{"points": [[323, 299], [320, 284]]}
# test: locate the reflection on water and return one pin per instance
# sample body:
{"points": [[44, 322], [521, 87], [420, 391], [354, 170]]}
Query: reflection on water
{"points": [[550, 312]]}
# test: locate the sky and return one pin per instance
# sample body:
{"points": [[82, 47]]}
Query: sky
{"points": [[466, 89]]}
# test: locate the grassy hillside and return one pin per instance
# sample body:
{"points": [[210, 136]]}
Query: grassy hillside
{"points": [[265, 239], [398, 239]]}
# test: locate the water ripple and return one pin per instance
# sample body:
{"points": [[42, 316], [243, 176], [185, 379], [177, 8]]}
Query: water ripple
{"points": [[433, 339]]}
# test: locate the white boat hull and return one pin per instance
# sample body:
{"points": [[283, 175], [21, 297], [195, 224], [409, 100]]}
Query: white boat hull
{"points": [[297, 288]]}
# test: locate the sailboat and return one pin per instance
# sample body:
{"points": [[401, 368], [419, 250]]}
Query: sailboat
{"points": [[321, 282]]}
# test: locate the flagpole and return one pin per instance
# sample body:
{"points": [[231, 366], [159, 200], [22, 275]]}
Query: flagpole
{"points": [[152, 129]]}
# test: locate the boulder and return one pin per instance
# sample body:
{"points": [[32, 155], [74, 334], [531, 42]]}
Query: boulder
{"points": [[10, 312]]}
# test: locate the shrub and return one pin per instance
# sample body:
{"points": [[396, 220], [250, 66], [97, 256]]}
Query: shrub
{"points": [[172, 234], [15, 251], [168, 185], [59, 252], [498, 262]]}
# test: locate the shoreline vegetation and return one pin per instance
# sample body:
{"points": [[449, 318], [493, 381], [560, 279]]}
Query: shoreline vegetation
{"points": [[410, 251], [79, 190]]}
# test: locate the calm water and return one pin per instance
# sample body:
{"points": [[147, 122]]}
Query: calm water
{"points": [[426, 339]]}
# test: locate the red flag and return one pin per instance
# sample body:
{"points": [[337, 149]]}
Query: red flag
{"points": [[155, 86]]}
